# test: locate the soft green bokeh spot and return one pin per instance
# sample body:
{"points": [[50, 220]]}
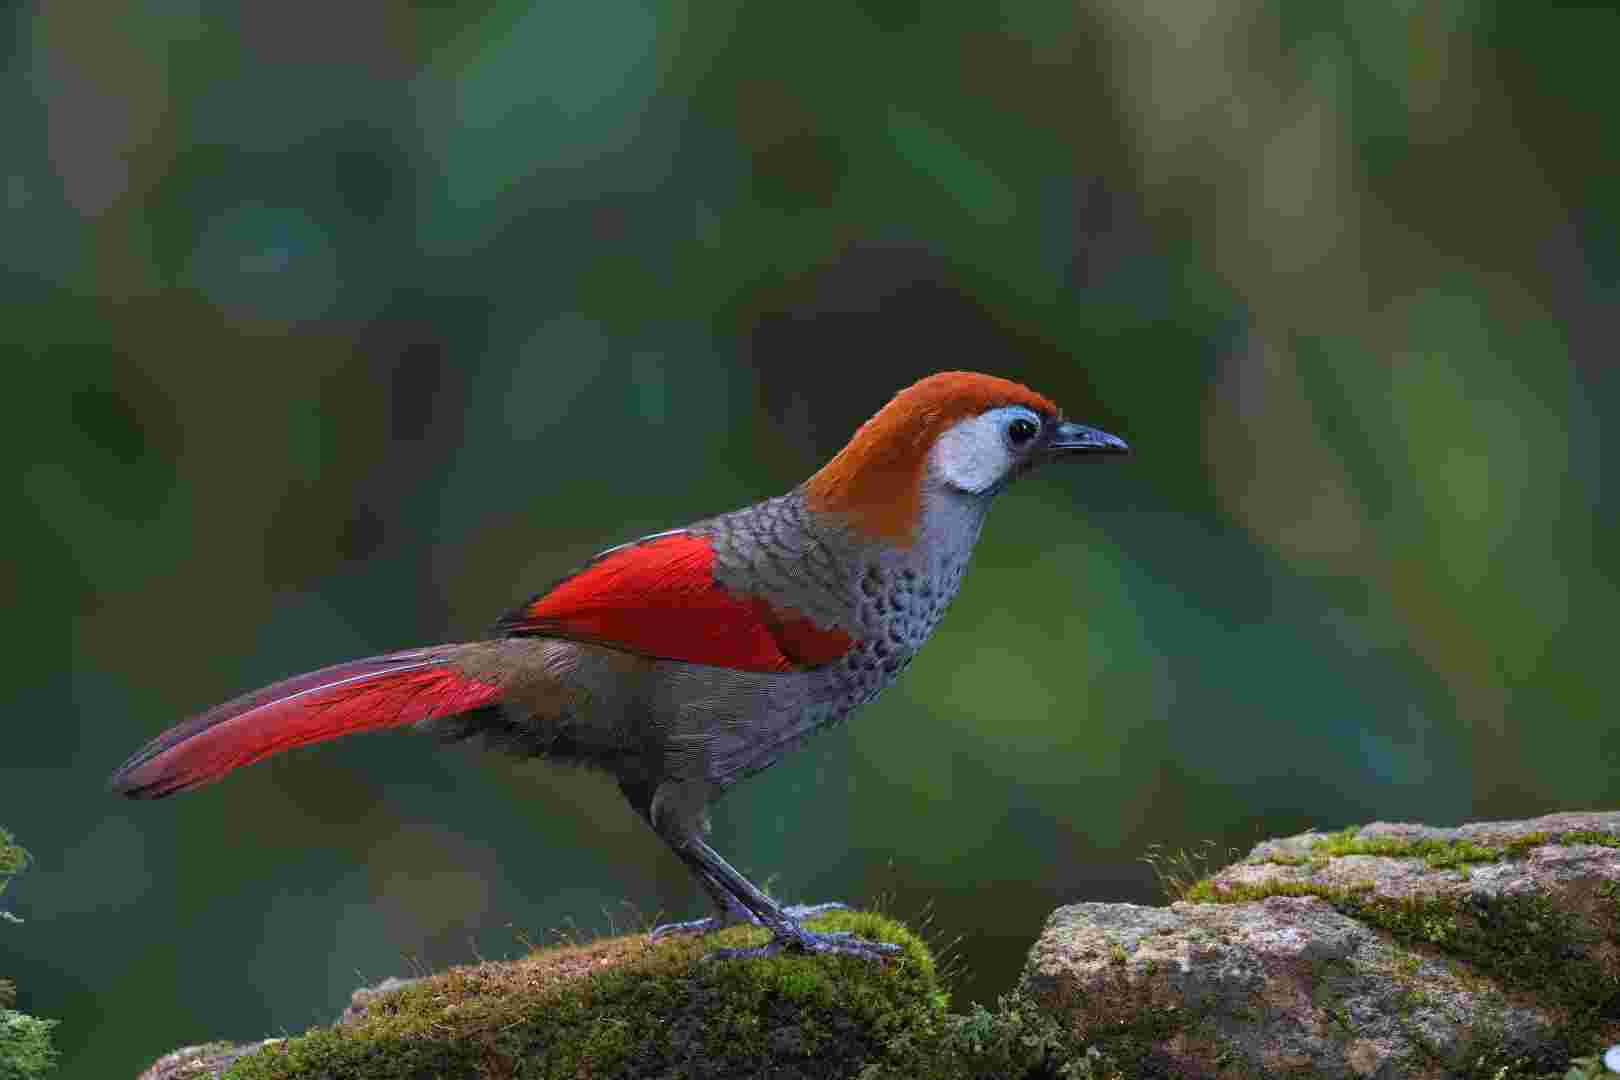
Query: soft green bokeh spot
{"points": [[969, 181]]}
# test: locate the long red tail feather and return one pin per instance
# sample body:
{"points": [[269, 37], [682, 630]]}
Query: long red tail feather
{"points": [[361, 695]]}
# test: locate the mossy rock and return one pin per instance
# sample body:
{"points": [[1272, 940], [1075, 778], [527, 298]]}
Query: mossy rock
{"points": [[1488, 950], [25, 1046], [627, 1007], [25, 1041]]}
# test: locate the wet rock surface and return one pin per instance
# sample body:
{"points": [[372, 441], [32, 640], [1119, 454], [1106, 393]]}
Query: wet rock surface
{"points": [[1492, 949]]}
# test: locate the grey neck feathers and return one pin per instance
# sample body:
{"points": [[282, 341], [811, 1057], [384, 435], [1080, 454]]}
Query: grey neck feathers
{"points": [[799, 560]]}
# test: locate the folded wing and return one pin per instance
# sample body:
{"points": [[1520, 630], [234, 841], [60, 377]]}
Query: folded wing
{"points": [[658, 597]]}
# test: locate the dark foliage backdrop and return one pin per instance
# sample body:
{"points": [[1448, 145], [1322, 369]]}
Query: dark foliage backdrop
{"points": [[339, 327]]}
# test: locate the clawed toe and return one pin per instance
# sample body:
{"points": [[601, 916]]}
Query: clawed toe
{"points": [[694, 926], [847, 944], [740, 918], [810, 911], [801, 940]]}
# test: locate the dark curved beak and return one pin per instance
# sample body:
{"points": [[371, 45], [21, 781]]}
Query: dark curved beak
{"points": [[1073, 440]]}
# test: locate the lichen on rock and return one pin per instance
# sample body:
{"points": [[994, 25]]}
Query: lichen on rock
{"points": [[1392, 950], [1279, 986]]}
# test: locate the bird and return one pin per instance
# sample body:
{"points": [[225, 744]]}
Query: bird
{"points": [[686, 661]]}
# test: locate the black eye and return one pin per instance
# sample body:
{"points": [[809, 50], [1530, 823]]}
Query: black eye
{"points": [[1021, 430]]}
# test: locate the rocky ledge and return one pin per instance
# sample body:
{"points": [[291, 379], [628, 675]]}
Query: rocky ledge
{"points": [[1490, 950], [1486, 951], [621, 1006]]}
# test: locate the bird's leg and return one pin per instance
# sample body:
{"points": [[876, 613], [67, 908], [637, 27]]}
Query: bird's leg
{"points": [[731, 913], [784, 925], [675, 810]]}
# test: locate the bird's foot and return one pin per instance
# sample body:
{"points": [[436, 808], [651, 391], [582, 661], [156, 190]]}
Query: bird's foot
{"points": [[691, 926], [801, 940], [701, 926], [810, 911], [739, 917]]}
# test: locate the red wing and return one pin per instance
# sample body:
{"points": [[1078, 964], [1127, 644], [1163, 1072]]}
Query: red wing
{"points": [[658, 597]]}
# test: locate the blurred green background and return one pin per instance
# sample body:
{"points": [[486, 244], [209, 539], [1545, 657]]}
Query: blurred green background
{"points": [[336, 328]]}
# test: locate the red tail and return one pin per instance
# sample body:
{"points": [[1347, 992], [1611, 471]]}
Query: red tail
{"points": [[361, 695]]}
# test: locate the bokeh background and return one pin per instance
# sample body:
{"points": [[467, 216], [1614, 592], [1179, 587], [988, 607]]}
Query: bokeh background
{"points": [[333, 328]]}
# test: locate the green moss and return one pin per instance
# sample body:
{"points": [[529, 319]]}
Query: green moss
{"points": [[25, 1046], [624, 1007], [1017, 1040], [25, 1041], [1205, 892], [13, 860], [1599, 839], [12, 857], [1438, 854], [1136, 1048]]}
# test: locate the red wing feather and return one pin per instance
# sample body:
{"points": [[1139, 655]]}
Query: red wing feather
{"points": [[658, 597]]}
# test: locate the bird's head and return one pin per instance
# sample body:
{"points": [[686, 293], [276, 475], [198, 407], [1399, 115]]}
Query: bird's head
{"points": [[959, 434]]}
